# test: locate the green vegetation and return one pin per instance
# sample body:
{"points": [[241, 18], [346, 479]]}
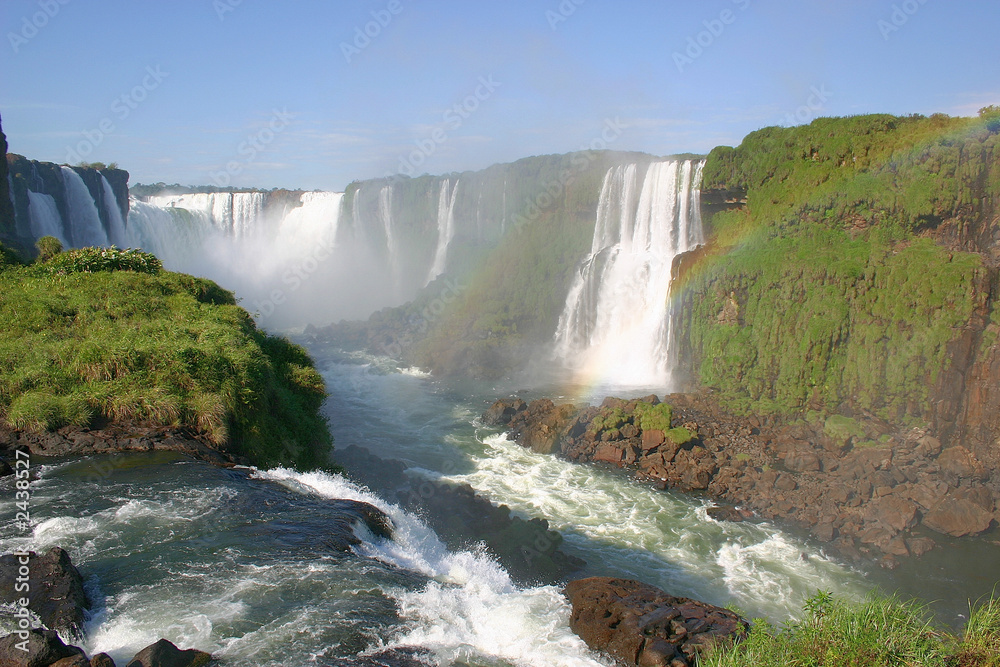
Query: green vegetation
{"points": [[837, 267], [643, 416], [48, 247], [97, 334], [877, 632], [100, 166], [93, 260]]}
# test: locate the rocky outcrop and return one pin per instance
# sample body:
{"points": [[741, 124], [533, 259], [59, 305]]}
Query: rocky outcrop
{"points": [[641, 625], [855, 482], [527, 548], [113, 438], [165, 654], [55, 588], [44, 648]]}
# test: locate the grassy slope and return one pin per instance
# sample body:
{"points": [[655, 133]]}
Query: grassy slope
{"points": [[839, 296], [153, 347], [877, 632]]}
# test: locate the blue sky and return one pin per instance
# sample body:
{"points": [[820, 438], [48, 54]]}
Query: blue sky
{"points": [[261, 93]]}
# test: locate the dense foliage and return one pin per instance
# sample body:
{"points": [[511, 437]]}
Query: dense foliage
{"points": [[152, 347], [852, 268], [877, 632]]}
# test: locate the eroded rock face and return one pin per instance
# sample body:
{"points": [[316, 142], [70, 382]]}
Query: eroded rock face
{"points": [[639, 624], [55, 592]]}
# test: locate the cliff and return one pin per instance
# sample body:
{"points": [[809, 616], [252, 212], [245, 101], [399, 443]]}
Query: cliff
{"points": [[6, 206], [858, 277]]}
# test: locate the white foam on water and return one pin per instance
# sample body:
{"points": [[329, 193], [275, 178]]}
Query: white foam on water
{"points": [[471, 608]]}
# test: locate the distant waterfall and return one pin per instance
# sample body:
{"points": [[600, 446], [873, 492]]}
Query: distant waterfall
{"points": [[84, 221], [116, 226], [275, 260], [615, 324], [45, 218], [445, 227]]}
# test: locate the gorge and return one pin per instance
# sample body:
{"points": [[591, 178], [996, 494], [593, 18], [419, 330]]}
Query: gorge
{"points": [[827, 292]]}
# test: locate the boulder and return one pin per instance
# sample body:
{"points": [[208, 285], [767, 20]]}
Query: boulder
{"points": [[44, 648], [803, 460], [639, 624], [958, 517], [610, 452], [74, 661], [893, 513], [164, 654], [961, 463], [501, 412], [56, 592], [652, 438]]}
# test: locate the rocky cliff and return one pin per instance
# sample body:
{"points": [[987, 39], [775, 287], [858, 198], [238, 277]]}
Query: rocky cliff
{"points": [[6, 205]]}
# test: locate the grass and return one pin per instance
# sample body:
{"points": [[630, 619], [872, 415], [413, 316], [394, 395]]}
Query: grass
{"points": [[83, 338], [876, 632]]}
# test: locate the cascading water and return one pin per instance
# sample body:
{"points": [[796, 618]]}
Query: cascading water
{"points": [[116, 226], [45, 218], [445, 226], [615, 324], [84, 220], [277, 266]]}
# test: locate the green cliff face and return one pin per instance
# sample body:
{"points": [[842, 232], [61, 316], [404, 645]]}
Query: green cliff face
{"points": [[859, 274]]}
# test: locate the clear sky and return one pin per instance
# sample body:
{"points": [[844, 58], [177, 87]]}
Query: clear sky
{"points": [[262, 93]]}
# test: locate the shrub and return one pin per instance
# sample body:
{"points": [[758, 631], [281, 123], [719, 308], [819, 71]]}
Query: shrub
{"points": [[48, 247], [93, 260]]}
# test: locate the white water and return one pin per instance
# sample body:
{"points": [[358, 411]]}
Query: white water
{"points": [[280, 267], [445, 227], [45, 218], [84, 221], [615, 324], [116, 226], [470, 609], [235, 213]]}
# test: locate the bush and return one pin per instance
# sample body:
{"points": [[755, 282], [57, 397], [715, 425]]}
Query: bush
{"points": [[93, 260], [48, 247]]}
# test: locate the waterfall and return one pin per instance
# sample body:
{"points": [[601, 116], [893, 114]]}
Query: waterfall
{"points": [[385, 215], [85, 228], [116, 226], [45, 218], [615, 324], [275, 263], [445, 226]]}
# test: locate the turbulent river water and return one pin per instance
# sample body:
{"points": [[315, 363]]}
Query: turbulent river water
{"points": [[236, 562]]}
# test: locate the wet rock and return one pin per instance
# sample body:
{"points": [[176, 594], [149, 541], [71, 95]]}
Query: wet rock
{"points": [[639, 624], [958, 517], [395, 657], [729, 513], [55, 591], [75, 661], [165, 654], [44, 648], [502, 411]]}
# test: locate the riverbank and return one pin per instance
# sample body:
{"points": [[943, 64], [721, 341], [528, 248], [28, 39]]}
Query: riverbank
{"points": [[867, 491]]}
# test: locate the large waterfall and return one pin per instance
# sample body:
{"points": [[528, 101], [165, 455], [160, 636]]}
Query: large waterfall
{"points": [[445, 227], [275, 258], [615, 326]]}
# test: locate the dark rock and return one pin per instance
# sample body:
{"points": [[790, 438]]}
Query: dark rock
{"points": [[75, 661], [802, 460], [502, 411], [55, 593], [609, 453], [961, 464], [44, 648], [729, 513], [958, 517], [395, 657], [5, 468], [651, 439], [164, 654], [639, 624]]}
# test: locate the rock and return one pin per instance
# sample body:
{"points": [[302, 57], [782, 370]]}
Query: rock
{"points": [[893, 513], [729, 513], [404, 656], [928, 447], [918, 546], [803, 460], [501, 412], [609, 452], [44, 648], [958, 517], [5, 468], [165, 654], [651, 439], [960, 462], [639, 624], [74, 661], [56, 592]]}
